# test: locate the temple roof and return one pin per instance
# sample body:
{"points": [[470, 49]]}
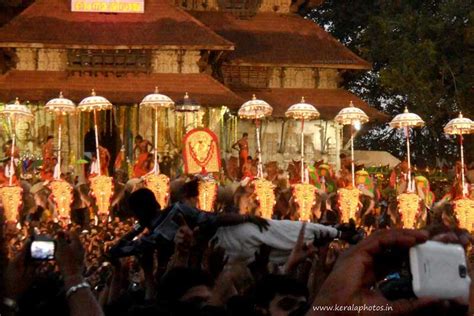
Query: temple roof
{"points": [[283, 39], [50, 23], [41, 86], [327, 101]]}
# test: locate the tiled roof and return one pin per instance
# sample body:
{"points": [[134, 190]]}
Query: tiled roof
{"points": [[44, 85], [51, 23], [270, 38], [327, 101]]}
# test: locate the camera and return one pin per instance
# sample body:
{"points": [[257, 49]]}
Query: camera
{"points": [[42, 249]]}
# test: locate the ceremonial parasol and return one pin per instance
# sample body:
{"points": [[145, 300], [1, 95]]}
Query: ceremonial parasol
{"points": [[188, 105], [60, 107], [101, 185], [11, 195], [13, 112], [352, 116], [156, 101], [302, 111], [406, 120], [61, 190], [256, 109], [460, 126], [158, 184], [93, 104]]}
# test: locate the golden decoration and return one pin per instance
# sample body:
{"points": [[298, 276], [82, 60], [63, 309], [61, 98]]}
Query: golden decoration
{"points": [[62, 196], [408, 205], [464, 210], [160, 186], [265, 196], [207, 195], [305, 197], [103, 190], [201, 152], [348, 203], [11, 197]]}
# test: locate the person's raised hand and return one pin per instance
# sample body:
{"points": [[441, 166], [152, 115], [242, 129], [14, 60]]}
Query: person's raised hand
{"points": [[300, 252], [70, 254], [184, 237], [214, 259], [353, 279], [19, 274]]}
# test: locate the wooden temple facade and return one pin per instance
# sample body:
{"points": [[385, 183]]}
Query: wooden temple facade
{"points": [[218, 51]]}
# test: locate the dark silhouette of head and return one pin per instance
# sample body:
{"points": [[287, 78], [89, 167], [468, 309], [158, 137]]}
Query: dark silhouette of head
{"points": [[245, 134], [143, 205], [191, 189]]}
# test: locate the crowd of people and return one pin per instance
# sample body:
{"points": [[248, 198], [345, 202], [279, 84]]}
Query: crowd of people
{"points": [[147, 259]]}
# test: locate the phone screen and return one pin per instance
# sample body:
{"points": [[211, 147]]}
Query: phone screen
{"points": [[42, 250]]}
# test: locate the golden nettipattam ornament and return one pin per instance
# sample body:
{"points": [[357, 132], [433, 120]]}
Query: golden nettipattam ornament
{"points": [[207, 194], [460, 126], [265, 196], [11, 197], [62, 197], [408, 206], [14, 112], [348, 200], [256, 110], [464, 210], [304, 195], [102, 190], [407, 120], [160, 186], [354, 117], [158, 183]]}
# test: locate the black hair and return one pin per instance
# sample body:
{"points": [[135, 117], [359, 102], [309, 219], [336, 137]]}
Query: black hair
{"points": [[175, 283], [49, 137], [138, 137], [245, 134], [271, 285], [143, 205]]}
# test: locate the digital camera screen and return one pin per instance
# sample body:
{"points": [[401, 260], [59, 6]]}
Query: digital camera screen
{"points": [[42, 250]]}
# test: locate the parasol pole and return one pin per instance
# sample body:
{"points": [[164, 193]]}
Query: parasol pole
{"points": [[352, 156], [259, 151], [59, 145], [462, 161], [96, 141], [12, 163], [157, 166], [407, 132], [303, 180]]}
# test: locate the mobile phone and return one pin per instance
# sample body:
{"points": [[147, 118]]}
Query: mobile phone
{"points": [[42, 250], [432, 269], [439, 270]]}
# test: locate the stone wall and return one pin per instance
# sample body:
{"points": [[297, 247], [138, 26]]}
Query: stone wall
{"points": [[43, 59], [174, 61], [304, 77]]}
